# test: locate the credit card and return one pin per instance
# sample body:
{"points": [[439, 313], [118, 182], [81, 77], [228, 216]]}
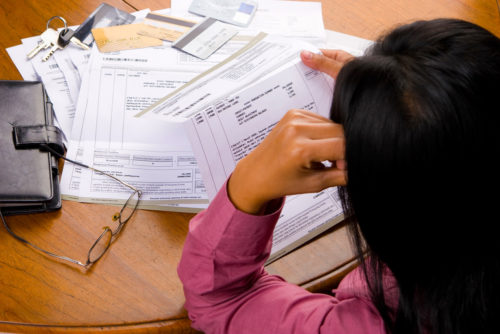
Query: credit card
{"points": [[104, 16], [165, 27], [205, 38], [237, 12], [123, 37]]}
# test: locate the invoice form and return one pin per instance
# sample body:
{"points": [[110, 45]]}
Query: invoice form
{"points": [[229, 109], [153, 156], [263, 55], [228, 129]]}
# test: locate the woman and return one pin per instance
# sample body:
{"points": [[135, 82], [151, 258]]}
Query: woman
{"points": [[417, 118]]}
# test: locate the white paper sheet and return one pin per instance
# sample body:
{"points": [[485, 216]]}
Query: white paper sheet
{"points": [[55, 85], [231, 108], [154, 157], [80, 60], [352, 44], [70, 72], [292, 19], [263, 55], [295, 19], [23, 65], [228, 129]]}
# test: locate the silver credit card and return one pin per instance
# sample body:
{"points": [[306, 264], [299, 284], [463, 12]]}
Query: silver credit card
{"points": [[205, 38]]}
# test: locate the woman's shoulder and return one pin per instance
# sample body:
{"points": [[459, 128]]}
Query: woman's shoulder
{"points": [[354, 286]]}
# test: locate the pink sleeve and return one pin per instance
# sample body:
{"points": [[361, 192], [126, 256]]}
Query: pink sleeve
{"points": [[227, 289]]}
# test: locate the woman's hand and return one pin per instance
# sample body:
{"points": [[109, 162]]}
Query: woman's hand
{"points": [[288, 161], [330, 62]]}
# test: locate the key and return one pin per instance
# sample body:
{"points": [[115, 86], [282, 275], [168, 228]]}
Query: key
{"points": [[67, 35], [48, 36], [54, 46]]}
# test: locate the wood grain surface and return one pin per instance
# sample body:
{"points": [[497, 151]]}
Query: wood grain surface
{"points": [[135, 288]]}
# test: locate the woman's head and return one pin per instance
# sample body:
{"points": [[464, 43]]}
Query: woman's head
{"points": [[421, 118]]}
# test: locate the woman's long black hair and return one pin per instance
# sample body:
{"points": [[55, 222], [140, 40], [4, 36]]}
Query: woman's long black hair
{"points": [[421, 116]]}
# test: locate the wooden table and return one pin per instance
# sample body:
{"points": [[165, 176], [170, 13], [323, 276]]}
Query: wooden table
{"points": [[135, 286]]}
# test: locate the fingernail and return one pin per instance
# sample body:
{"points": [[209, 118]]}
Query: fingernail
{"points": [[341, 164], [306, 55]]}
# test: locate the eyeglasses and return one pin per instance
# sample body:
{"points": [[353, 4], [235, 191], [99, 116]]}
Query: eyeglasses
{"points": [[103, 242]]}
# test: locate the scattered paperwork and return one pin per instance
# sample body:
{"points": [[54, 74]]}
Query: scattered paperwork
{"points": [[96, 95]]}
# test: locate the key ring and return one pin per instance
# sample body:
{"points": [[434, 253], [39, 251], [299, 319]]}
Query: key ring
{"points": [[60, 18]]}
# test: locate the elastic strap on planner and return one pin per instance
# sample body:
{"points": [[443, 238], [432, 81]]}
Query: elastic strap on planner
{"points": [[33, 136]]}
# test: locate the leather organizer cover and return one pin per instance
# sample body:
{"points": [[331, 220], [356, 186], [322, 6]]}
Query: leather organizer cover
{"points": [[29, 177]]}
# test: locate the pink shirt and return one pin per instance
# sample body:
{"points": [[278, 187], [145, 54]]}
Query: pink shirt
{"points": [[227, 289]]}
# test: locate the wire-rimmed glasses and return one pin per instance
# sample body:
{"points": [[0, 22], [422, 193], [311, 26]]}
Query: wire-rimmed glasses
{"points": [[103, 242]]}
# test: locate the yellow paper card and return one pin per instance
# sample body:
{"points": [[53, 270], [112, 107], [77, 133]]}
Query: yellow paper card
{"points": [[160, 33], [165, 27], [123, 37]]}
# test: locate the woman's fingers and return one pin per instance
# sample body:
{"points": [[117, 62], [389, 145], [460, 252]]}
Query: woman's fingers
{"points": [[329, 178], [316, 131], [330, 62], [305, 140], [337, 55], [304, 114], [330, 149], [309, 124], [288, 161]]}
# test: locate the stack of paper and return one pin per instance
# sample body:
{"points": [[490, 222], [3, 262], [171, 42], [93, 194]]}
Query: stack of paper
{"points": [[174, 125]]}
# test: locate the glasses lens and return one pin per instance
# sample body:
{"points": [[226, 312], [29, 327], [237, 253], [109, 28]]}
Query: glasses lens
{"points": [[129, 207], [100, 246]]}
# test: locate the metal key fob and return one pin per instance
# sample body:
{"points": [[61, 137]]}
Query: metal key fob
{"points": [[66, 36]]}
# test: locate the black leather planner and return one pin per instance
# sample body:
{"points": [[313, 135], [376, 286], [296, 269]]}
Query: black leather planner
{"points": [[29, 177]]}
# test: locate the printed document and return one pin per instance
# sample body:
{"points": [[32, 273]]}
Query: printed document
{"points": [[55, 84], [23, 65], [228, 129], [230, 109], [260, 57], [151, 156]]}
